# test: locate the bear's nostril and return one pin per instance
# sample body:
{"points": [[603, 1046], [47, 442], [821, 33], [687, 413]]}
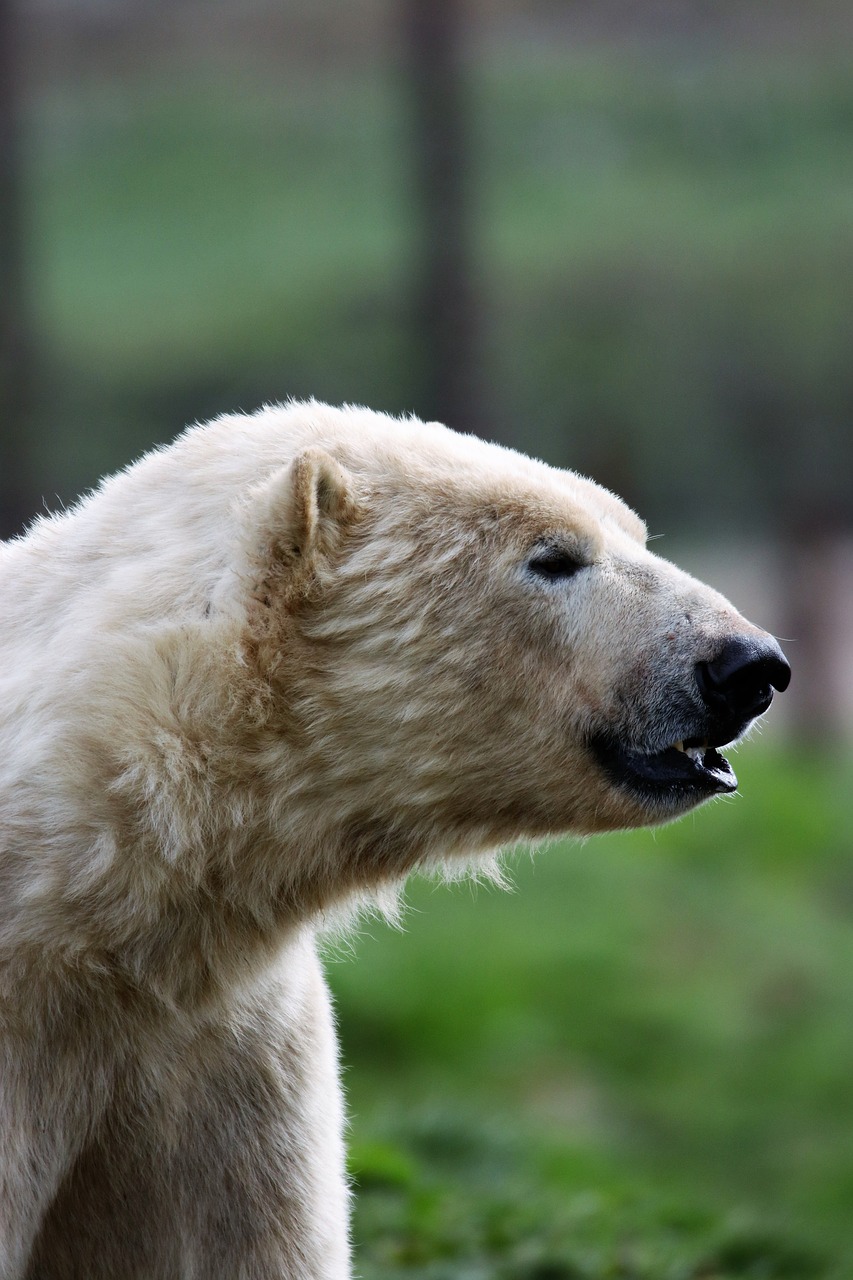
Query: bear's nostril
{"points": [[741, 679]]}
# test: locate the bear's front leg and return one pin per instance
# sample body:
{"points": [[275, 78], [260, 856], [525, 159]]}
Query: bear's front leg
{"points": [[223, 1157], [51, 1094]]}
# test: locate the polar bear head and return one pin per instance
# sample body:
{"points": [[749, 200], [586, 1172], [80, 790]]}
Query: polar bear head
{"points": [[300, 652], [466, 647]]}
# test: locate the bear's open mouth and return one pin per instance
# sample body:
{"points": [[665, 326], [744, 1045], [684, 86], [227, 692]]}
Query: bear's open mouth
{"points": [[692, 766]]}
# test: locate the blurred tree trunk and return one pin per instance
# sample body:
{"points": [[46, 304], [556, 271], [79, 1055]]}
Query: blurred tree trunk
{"points": [[14, 344], [815, 589], [445, 303]]}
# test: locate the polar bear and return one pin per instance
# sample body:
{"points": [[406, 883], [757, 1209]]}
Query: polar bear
{"points": [[260, 675]]}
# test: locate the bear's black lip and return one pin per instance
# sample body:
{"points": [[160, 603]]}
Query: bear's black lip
{"points": [[671, 772]]}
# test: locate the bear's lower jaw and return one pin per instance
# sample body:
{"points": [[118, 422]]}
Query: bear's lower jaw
{"points": [[682, 775]]}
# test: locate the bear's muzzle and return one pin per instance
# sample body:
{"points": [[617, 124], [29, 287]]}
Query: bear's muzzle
{"points": [[735, 687]]}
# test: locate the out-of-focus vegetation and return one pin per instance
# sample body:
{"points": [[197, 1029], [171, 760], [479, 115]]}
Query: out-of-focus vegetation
{"points": [[637, 1064], [662, 245]]}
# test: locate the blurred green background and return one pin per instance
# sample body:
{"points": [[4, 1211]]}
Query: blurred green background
{"points": [[618, 236]]}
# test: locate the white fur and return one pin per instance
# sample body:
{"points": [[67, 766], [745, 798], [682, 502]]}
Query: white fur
{"points": [[260, 674]]}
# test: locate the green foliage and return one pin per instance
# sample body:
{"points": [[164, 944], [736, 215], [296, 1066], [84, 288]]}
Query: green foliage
{"points": [[662, 243], [636, 1065]]}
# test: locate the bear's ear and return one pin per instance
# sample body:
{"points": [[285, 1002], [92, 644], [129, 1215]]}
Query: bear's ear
{"points": [[304, 508], [288, 524]]}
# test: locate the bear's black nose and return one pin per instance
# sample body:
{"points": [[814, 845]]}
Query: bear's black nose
{"points": [[739, 682]]}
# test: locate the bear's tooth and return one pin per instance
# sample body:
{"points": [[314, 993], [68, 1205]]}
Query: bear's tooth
{"points": [[679, 746]]}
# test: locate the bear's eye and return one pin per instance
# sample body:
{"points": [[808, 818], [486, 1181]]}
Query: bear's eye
{"points": [[552, 563]]}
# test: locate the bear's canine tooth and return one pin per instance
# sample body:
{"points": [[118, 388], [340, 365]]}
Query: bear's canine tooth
{"points": [[679, 746]]}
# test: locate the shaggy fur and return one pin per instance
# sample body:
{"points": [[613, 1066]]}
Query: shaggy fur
{"points": [[261, 674]]}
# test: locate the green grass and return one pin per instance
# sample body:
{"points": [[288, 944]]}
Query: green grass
{"points": [[636, 1064]]}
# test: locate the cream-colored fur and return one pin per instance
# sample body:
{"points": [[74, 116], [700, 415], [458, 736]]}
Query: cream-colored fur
{"points": [[261, 674]]}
